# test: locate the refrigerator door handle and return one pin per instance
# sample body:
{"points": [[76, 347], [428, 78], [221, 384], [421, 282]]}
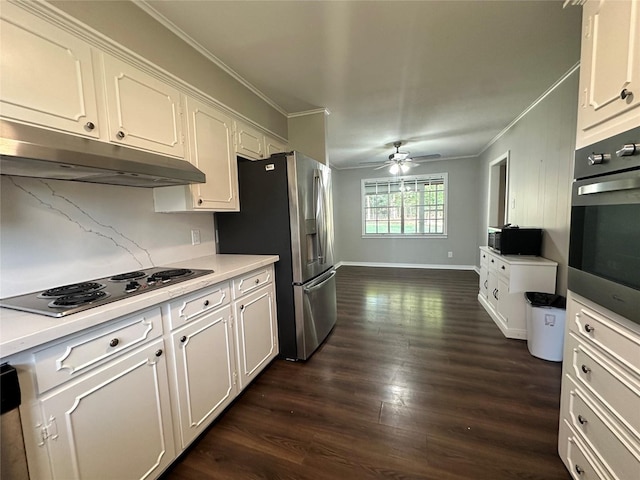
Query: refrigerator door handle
{"points": [[320, 283], [320, 214]]}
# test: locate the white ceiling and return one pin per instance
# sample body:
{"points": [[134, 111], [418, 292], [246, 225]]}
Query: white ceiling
{"points": [[443, 76]]}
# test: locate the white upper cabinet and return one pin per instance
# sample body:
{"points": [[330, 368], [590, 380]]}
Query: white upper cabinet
{"points": [[47, 75], [609, 70], [249, 142], [143, 112], [211, 149], [273, 146]]}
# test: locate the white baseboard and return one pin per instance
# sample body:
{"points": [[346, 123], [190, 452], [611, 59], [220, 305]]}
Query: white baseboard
{"points": [[408, 265]]}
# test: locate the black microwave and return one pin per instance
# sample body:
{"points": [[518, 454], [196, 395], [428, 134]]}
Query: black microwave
{"points": [[512, 240]]}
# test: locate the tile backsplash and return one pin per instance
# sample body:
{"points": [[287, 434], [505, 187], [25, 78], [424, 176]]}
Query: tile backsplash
{"points": [[56, 232]]}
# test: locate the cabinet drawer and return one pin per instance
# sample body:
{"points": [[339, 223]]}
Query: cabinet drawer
{"points": [[617, 390], [251, 281], [68, 359], [602, 435], [582, 464], [608, 335], [191, 306], [484, 259], [492, 261], [503, 268]]}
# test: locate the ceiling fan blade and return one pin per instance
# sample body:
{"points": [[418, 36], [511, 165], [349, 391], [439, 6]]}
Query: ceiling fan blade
{"points": [[385, 165], [373, 162]]}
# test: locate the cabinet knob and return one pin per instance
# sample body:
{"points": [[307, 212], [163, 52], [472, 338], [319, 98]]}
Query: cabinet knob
{"points": [[502, 267], [199, 201], [625, 93], [206, 303], [241, 307], [588, 328], [114, 342], [492, 261], [158, 353], [628, 150], [486, 283], [183, 338], [257, 281], [582, 420], [120, 134], [89, 125], [585, 369], [579, 469]]}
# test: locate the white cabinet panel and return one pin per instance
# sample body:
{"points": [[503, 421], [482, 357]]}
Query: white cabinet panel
{"points": [[609, 70], [249, 142], [47, 75], [143, 111], [115, 423], [273, 146], [204, 362], [256, 333]]}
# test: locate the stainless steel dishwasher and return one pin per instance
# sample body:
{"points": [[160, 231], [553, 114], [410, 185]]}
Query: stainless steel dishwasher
{"points": [[13, 461]]}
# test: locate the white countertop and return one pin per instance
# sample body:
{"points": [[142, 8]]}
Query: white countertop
{"points": [[20, 331], [521, 259]]}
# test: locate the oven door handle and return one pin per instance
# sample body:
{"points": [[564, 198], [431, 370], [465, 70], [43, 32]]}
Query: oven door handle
{"points": [[610, 186]]}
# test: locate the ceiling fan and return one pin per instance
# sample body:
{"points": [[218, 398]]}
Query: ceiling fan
{"points": [[401, 162]]}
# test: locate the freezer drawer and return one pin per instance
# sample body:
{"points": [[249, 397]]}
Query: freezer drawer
{"points": [[315, 305]]}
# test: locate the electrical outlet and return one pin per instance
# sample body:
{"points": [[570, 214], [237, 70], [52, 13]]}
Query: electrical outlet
{"points": [[450, 255], [195, 237]]}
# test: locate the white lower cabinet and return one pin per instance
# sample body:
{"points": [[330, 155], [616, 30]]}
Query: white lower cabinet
{"points": [[203, 370], [256, 333], [504, 279], [114, 423], [599, 435]]}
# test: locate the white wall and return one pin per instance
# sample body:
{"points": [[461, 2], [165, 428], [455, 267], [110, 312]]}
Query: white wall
{"points": [[541, 146], [464, 190], [57, 232]]}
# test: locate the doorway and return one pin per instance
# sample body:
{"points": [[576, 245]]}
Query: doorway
{"points": [[499, 191]]}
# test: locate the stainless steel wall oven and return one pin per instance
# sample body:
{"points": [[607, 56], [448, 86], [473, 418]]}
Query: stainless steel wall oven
{"points": [[604, 247]]}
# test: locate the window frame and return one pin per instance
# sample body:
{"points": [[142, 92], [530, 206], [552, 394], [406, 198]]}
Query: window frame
{"points": [[407, 178]]}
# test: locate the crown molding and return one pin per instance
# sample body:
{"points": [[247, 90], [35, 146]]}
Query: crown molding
{"points": [[531, 107], [309, 112], [143, 5]]}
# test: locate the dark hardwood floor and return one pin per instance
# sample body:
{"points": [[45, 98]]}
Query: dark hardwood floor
{"points": [[415, 382]]}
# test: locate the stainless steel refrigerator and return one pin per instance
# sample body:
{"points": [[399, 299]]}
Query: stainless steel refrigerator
{"points": [[286, 209]]}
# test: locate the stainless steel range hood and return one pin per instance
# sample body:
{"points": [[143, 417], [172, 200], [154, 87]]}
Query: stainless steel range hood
{"points": [[27, 151]]}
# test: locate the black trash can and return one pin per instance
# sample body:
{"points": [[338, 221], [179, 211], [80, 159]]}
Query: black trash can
{"points": [[546, 314]]}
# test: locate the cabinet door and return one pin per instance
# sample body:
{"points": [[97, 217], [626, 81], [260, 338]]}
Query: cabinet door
{"points": [[211, 150], [492, 289], [143, 111], [504, 299], [47, 76], [256, 333], [249, 142], [610, 66], [273, 146], [115, 423], [484, 282], [204, 368]]}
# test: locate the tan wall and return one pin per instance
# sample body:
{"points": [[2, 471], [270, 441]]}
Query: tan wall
{"points": [[307, 134], [125, 23]]}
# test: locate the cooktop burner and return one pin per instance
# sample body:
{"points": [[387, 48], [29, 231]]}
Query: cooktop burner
{"points": [[73, 298]]}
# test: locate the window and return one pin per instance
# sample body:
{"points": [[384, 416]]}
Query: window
{"points": [[405, 206]]}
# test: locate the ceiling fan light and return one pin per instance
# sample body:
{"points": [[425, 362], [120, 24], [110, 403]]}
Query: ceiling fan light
{"points": [[395, 168], [404, 167]]}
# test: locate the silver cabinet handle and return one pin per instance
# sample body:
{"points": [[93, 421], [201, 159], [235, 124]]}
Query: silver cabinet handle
{"points": [[89, 125], [120, 134], [628, 149]]}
